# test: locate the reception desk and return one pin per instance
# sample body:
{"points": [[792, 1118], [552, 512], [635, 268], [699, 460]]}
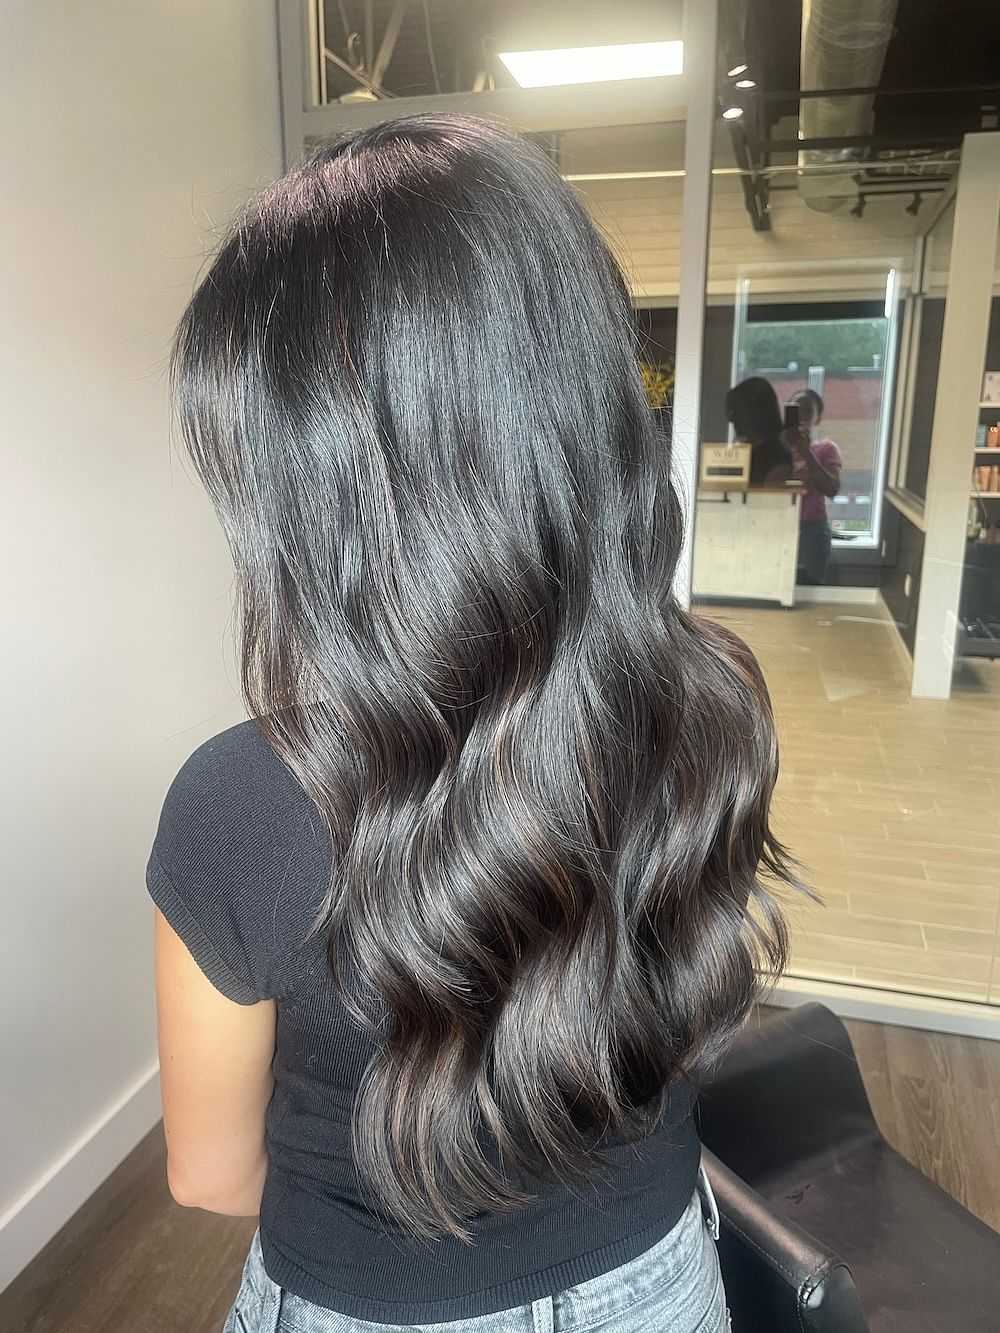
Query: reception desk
{"points": [[746, 543]]}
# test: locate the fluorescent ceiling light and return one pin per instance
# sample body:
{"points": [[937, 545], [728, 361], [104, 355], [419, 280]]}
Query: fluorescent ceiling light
{"points": [[732, 113], [746, 83], [736, 71], [594, 64]]}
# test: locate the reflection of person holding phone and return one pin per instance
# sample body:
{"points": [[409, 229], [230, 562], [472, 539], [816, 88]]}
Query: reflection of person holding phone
{"points": [[752, 407], [817, 465]]}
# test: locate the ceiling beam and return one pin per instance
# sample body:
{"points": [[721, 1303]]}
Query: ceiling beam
{"points": [[388, 43], [875, 142], [531, 110], [358, 75], [755, 186], [369, 33], [945, 90]]}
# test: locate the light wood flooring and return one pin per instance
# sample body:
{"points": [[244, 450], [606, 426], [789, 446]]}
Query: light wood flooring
{"points": [[131, 1261], [892, 804]]}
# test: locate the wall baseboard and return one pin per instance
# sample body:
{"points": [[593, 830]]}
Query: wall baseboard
{"points": [[931, 1013], [854, 596], [34, 1218]]}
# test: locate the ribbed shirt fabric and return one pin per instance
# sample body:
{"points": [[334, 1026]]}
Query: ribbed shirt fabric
{"points": [[239, 868]]}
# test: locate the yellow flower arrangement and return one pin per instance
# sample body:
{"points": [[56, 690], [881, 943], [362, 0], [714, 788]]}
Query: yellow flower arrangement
{"points": [[658, 381]]}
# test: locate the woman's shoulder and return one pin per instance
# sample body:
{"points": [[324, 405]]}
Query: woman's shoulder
{"points": [[236, 768], [827, 452], [238, 862], [232, 799]]}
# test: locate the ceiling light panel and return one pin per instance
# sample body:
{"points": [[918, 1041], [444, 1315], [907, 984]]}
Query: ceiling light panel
{"points": [[594, 64]]}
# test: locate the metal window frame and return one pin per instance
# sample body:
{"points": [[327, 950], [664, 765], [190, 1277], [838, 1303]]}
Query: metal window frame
{"points": [[884, 442]]}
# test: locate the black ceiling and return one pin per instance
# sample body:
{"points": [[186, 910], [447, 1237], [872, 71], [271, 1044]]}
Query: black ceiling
{"points": [[466, 34], [456, 31], [934, 46]]}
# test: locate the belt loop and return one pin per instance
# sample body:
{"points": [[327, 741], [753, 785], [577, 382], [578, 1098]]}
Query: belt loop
{"points": [[276, 1297], [709, 1207], [541, 1315]]}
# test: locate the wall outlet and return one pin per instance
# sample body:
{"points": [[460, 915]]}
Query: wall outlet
{"points": [[907, 586]]}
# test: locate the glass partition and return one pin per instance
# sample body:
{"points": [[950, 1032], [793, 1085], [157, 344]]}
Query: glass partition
{"points": [[889, 802], [848, 360], [978, 674]]}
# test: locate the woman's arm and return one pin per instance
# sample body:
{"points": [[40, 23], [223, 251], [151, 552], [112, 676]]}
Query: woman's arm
{"points": [[215, 1074], [826, 480]]}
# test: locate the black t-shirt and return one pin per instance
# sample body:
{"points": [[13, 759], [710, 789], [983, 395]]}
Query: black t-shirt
{"points": [[767, 455], [239, 868]]}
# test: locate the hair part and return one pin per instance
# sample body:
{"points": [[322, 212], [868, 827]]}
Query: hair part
{"points": [[409, 384]]}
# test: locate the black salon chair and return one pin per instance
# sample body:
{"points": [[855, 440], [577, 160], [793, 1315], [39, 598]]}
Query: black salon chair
{"points": [[777, 1276], [825, 1228]]}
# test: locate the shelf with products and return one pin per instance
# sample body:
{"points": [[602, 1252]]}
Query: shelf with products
{"points": [[984, 515], [986, 450], [979, 638], [979, 604]]}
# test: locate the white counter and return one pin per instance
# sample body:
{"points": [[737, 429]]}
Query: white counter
{"points": [[746, 544]]}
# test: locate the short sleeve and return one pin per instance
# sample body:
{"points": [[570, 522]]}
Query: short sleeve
{"points": [[828, 454], [212, 941], [220, 859]]}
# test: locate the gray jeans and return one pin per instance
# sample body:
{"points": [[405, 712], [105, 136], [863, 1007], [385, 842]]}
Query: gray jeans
{"points": [[675, 1287], [815, 545]]}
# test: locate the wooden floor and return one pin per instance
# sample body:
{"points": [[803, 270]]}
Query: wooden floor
{"points": [[132, 1262], [892, 803]]}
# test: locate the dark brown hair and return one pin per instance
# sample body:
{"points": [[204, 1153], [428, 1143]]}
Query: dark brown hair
{"points": [[752, 407], [409, 383]]}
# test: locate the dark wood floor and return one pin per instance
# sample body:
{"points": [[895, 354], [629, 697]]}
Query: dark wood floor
{"points": [[130, 1261]]}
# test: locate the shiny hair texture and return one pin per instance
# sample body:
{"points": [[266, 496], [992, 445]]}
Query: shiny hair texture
{"points": [[752, 407], [409, 383]]}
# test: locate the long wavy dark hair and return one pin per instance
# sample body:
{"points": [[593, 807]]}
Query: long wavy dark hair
{"points": [[752, 407], [409, 383]]}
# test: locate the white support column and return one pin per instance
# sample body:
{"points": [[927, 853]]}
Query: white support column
{"points": [[960, 371], [701, 21]]}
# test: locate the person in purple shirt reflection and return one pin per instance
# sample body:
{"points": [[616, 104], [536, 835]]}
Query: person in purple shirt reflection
{"points": [[817, 463]]}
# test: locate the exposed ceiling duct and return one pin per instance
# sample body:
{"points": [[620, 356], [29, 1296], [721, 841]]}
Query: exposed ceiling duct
{"points": [[843, 46]]}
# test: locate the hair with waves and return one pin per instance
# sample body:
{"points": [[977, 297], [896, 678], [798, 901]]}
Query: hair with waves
{"points": [[409, 384], [752, 407]]}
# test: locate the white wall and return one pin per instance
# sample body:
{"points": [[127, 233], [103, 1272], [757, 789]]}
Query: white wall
{"points": [[131, 131]]}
